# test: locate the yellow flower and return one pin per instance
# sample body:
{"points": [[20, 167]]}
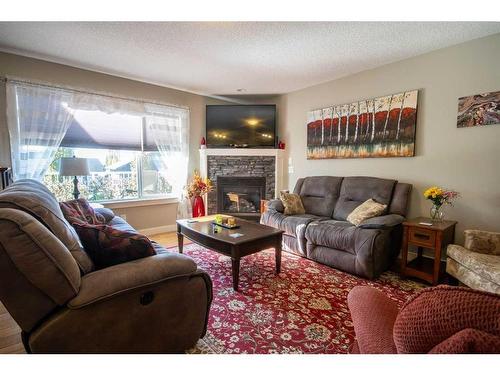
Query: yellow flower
{"points": [[433, 192]]}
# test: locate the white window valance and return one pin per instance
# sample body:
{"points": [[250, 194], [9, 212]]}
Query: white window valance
{"points": [[41, 118]]}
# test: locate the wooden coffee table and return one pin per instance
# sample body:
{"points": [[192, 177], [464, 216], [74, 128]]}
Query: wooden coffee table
{"points": [[256, 237]]}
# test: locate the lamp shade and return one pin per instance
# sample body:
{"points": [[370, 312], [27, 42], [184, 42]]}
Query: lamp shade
{"points": [[74, 167]]}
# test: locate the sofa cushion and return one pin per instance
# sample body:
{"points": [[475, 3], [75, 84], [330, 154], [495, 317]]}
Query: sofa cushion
{"points": [[106, 213], [400, 199], [471, 279], [481, 241], [108, 246], [319, 194], [382, 222], [339, 235], [119, 223], [356, 190], [275, 205], [35, 199], [290, 224], [485, 265], [292, 204], [366, 210]]}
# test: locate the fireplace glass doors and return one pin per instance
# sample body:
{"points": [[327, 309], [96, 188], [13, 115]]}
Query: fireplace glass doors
{"points": [[240, 196]]}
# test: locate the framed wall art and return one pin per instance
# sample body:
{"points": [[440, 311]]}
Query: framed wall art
{"points": [[372, 128], [479, 110]]}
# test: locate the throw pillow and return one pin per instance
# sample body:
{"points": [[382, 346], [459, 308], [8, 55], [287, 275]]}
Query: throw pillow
{"points": [[108, 246], [292, 203], [79, 210], [366, 210]]}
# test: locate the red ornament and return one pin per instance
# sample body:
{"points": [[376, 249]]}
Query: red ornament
{"points": [[198, 206], [281, 145], [203, 142]]}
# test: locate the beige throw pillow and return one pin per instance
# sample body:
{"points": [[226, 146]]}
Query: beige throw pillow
{"points": [[366, 210], [292, 203]]}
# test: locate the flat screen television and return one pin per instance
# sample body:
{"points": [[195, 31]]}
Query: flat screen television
{"points": [[241, 126]]}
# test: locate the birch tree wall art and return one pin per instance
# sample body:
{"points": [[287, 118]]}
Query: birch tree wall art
{"points": [[373, 128]]}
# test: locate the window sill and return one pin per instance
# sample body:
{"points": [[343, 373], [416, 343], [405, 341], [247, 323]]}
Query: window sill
{"points": [[139, 202]]}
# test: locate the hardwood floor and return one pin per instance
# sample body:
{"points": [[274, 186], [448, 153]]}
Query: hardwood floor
{"points": [[10, 333]]}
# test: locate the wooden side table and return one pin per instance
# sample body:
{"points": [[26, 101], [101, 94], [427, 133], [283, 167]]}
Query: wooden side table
{"points": [[434, 237]]}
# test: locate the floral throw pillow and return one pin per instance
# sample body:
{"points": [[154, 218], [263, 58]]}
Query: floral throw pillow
{"points": [[79, 210], [366, 210], [292, 203], [107, 246]]}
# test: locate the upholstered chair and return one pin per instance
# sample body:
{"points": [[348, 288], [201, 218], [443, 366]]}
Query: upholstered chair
{"points": [[439, 320], [477, 263]]}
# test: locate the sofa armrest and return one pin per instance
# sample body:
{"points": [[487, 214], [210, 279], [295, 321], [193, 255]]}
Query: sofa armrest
{"points": [[108, 282], [481, 241], [275, 205], [373, 315], [382, 222]]}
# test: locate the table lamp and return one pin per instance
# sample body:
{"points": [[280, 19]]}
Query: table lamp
{"points": [[74, 167]]}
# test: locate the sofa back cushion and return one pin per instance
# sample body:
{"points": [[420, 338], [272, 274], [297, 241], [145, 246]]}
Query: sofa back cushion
{"points": [[356, 190], [400, 199], [34, 198], [319, 194], [37, 271]]}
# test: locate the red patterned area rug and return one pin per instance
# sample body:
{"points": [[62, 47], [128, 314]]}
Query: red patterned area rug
{"points": [[303, 310]]}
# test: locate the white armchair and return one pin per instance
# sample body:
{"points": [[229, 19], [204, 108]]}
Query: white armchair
{"points": [[477, 263]]}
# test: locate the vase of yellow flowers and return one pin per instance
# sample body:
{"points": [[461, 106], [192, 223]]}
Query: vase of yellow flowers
{"points": [[439, 197], [195, 191]]}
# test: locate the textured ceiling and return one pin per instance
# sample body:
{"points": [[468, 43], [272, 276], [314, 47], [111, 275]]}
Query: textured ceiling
{"points": [[217, 58]]}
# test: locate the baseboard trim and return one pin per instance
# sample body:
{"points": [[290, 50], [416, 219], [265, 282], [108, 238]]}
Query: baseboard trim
{"points": [[158, 230]]}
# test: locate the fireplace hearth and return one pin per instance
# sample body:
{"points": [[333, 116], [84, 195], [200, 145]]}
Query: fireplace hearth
{"points": [[240, 195]]}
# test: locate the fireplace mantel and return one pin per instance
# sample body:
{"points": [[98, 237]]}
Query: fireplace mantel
{"points": [[247, 152]]}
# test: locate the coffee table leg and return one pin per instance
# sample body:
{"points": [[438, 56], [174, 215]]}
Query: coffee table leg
{"points": [[277, 254], [180, 241], [235, 266]]}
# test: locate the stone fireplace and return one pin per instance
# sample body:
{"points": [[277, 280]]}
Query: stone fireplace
{"points": [[241, 178]]}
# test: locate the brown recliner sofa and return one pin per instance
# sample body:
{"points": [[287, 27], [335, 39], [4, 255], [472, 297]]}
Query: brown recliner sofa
{"points": [[158, 304], [323, 233]]}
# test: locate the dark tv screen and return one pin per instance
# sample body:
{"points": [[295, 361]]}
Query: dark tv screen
{"points": [[241, 126]]}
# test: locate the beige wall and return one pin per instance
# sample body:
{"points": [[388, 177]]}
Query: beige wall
{"points": [[463, 159], [23, 67], [467, 160]]}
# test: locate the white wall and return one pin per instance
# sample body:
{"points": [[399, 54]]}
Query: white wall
{"points": [[467, 160]]}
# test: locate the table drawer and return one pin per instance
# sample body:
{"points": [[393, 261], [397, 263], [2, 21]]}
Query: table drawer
{"points": [[422, 237]]}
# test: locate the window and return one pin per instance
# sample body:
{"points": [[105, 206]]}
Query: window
{"points": [[135, 150]]}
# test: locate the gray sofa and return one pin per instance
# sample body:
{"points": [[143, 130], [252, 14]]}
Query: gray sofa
{"points": [[323, 234], [49, 285]]}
